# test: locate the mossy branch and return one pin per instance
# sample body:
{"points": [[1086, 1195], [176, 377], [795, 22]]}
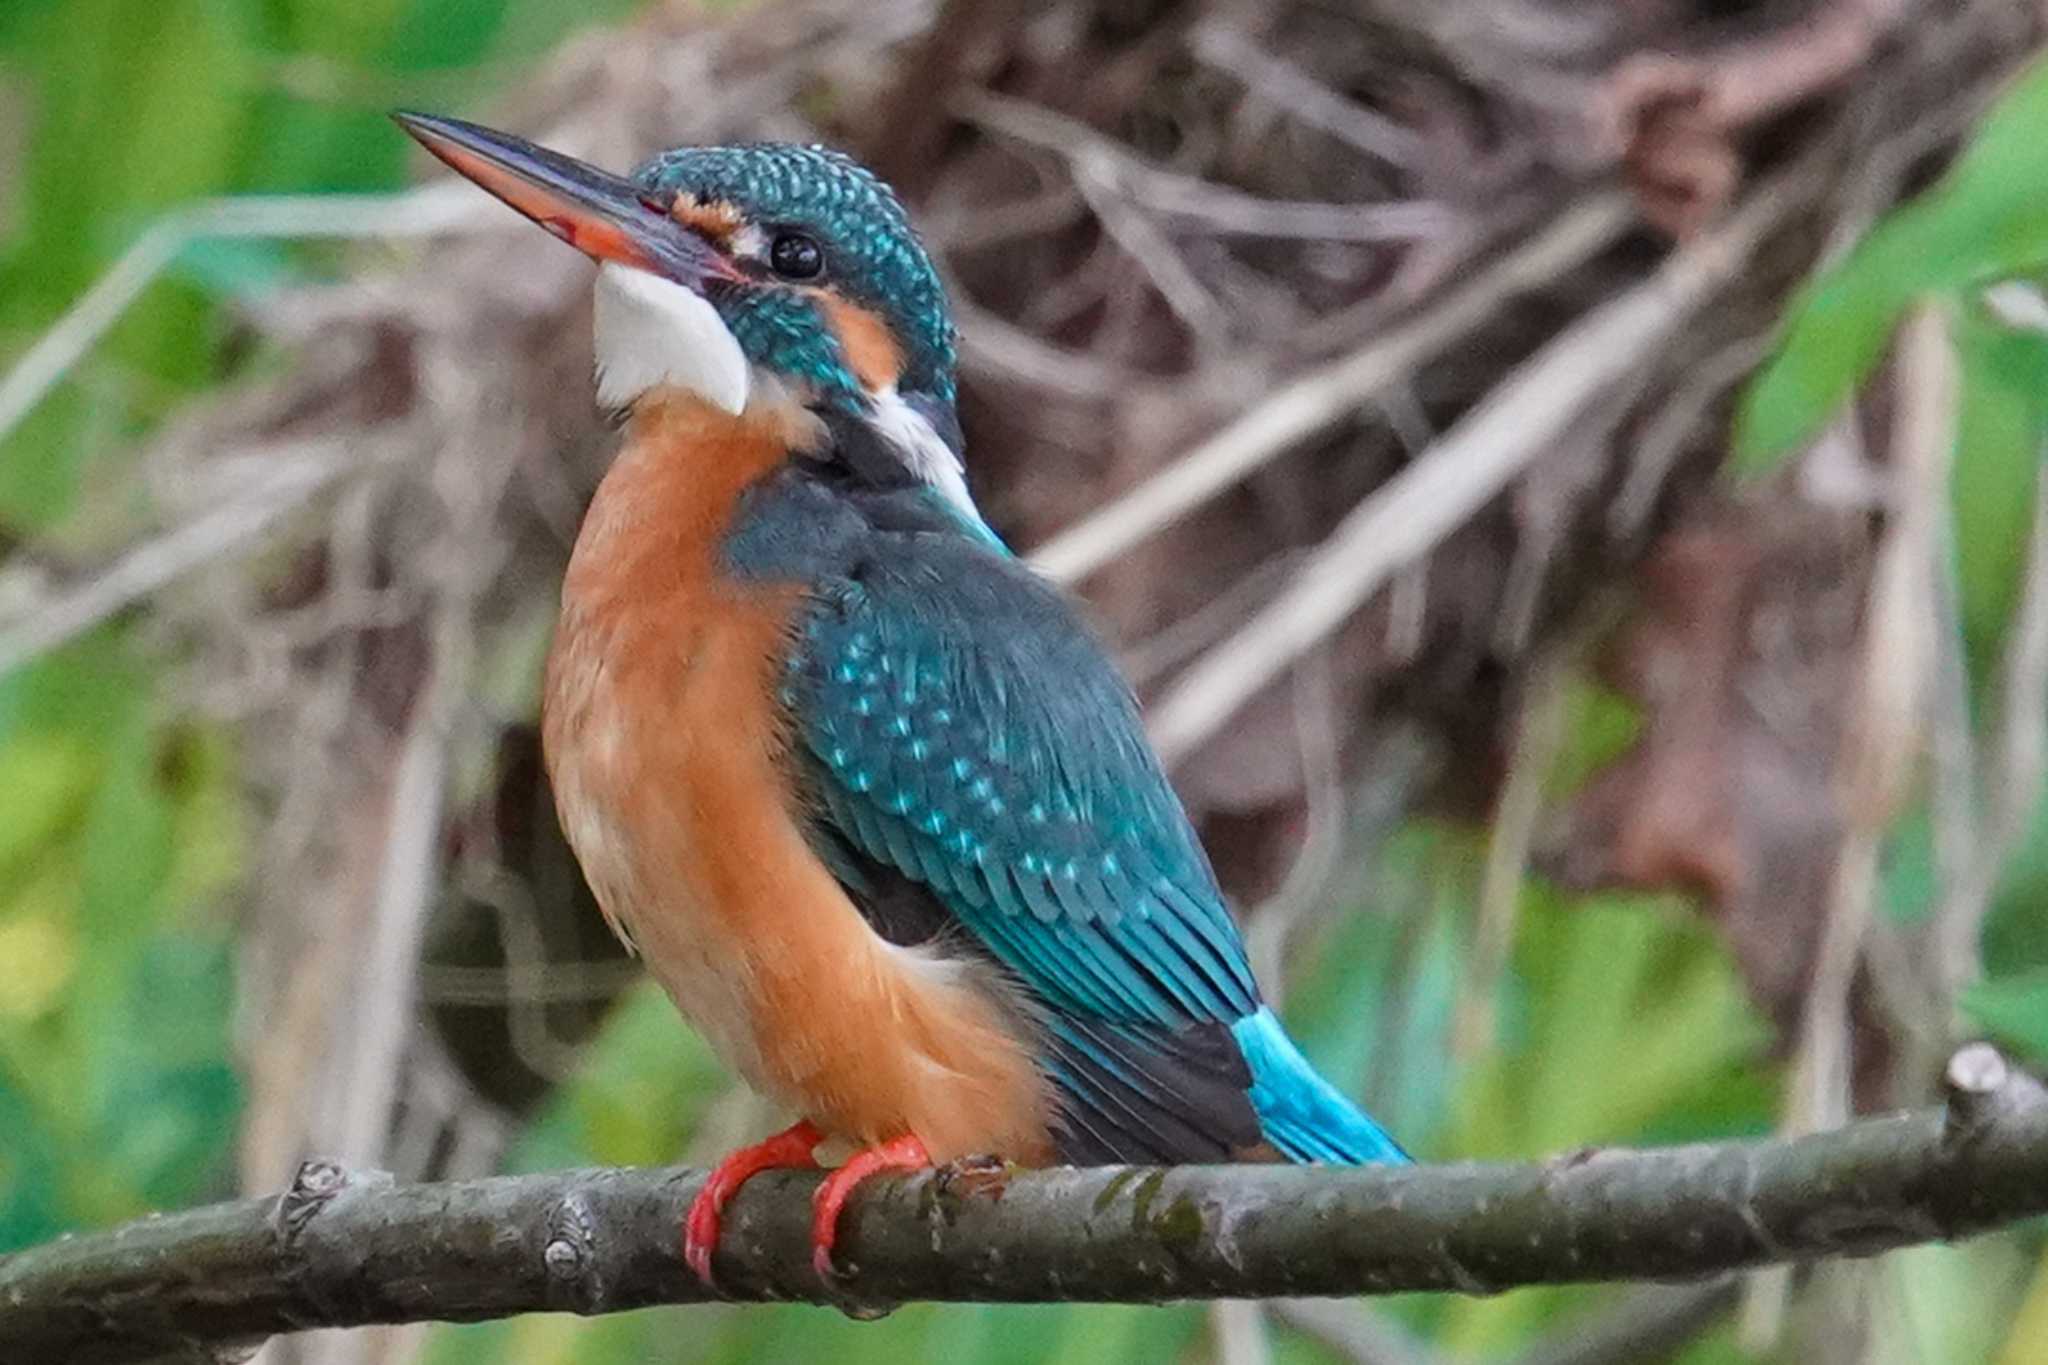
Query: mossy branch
{"points": [[342, 1248]]}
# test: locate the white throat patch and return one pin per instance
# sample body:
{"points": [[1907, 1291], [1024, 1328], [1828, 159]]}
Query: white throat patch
{"points": [[924, 452], [652, 331]]}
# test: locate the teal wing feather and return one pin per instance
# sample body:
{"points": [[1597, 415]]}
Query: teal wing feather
{"points": [[963, 728]]}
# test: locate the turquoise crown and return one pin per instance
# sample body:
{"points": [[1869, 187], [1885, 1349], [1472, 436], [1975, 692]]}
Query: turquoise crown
{"points": [[873, 257]]}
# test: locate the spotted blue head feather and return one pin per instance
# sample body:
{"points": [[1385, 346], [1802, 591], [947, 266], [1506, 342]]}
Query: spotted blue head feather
{"points": [[871, 255]]}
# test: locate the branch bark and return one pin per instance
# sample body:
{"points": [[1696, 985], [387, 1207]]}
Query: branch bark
{"points": [[345, 1249]]}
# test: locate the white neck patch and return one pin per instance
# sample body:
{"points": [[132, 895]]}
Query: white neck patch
{"points": [[652, 332], [924, 452]]}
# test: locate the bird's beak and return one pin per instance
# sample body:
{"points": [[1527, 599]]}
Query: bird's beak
{"points": [[602, 215]]}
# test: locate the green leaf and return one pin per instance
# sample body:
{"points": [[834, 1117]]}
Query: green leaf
{"points": [[128, 839], [2001, 421], [40, 950], [90, 687], [1987, 219], [28, 1173], [42, 460], [2014, 1010], [1600, 726], [1839, 326], [446, 33], [1906, 886], [1633, 990], [164, 1092], [2029, 1337], [16, 17], [2018, 923], [48, 779]]}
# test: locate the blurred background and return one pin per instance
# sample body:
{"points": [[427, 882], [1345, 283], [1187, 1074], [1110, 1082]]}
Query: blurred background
{"points": [[1563, 474]]}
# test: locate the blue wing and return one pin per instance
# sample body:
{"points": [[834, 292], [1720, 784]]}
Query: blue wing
{"points": [[971, 750], [966, 731]]}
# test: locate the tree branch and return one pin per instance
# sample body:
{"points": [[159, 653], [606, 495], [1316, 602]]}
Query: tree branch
{"points": [[342, 1249]]}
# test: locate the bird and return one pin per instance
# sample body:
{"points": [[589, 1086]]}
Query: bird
{"points": [[868, 795]]}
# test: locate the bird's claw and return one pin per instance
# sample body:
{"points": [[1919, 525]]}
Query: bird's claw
{"points": [[906, 1153], [793, 1147]]}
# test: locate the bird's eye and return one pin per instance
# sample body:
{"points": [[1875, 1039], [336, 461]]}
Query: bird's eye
{"points": [[795, 256]]}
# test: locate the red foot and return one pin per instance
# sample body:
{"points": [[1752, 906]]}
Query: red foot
{"points": [[791, 1147], [905, 1153]]}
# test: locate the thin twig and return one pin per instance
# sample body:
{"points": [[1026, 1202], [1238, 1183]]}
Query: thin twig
{"points": [[1502, 435], [1952, 799], [1237, 1327], [1678, 421], [1883, 733], [383, 1000], [1355, 1332], [1112, 167], [563, 983], [1311, 876], [1646, 1325], [468, 478], [1315, 104], [995, 346], [295, 473], [1538, 734], [2009, 787], [1327, 395], [426, 211], [1148, 247], [1887, 720]]}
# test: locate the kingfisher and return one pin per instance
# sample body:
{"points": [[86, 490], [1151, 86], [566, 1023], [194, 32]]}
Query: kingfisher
{"points": [[865, 792]]}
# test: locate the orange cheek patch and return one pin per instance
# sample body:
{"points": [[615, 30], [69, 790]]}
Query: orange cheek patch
{"points": [[870, 349]]}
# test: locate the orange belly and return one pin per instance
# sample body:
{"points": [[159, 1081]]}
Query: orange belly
{"points": [[667, 754]]}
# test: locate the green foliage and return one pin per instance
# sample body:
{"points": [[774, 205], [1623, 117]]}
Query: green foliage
{"points": [[1637, 992], [1986, 220], [1624, 1022], [120, 826], [2014, 1010], [115, 1086], [2000, 421], [142, 107]]}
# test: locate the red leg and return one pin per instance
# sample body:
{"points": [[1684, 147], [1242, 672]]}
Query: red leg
{"points": [[790, 1148], [905, 1153]]}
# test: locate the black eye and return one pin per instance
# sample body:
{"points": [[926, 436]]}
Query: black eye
{"points": [[795, 256]]}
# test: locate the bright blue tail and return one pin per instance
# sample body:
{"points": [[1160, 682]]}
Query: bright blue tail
{"points": [[1304, 1115]]}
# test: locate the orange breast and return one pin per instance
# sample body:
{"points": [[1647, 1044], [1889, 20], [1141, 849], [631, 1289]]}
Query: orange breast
{"points": [[667, 753]]}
